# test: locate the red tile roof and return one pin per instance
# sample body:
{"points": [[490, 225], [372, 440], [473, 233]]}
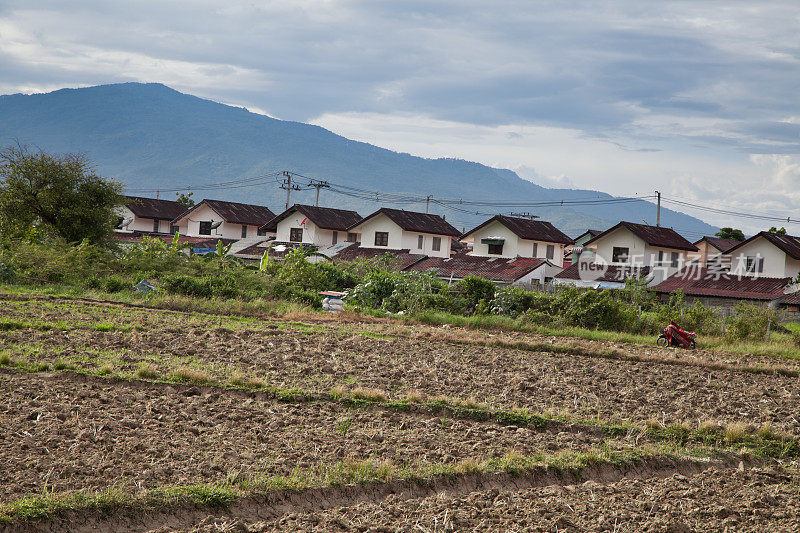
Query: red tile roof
{"points": [[235, 212], [524, 228], [322, 217], [612, 273], [401, 259], [698, 281], [788, 244], [793, 298], [155, 208], [652, 235], [723, 245], [416, 222], [504, 270]]}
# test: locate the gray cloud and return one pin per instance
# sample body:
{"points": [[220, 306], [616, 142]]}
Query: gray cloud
{"points": [[603, 69]]}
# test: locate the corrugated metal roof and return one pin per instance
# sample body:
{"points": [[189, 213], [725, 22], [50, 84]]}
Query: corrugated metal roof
{"points": [[524, 228], [652, 235], [155, 208], [237, 213], [414, 221], [402, 259], [612, 273], [323, 217], [698, 281], [504, 270]]}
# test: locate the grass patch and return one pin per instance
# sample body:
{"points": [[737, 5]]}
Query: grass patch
{"points": [[147, 372], [191, 376]]}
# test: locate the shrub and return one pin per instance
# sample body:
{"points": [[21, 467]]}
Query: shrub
{"points": [[474, 290], [115, 284], [512, 301], [751, 321], [6, 273]]}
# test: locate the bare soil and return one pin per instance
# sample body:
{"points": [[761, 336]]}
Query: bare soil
{"points": [[757, 500], [399, 361], [71, 432]]}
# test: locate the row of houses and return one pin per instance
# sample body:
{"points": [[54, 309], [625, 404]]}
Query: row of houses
{"points": [[509, 250]]}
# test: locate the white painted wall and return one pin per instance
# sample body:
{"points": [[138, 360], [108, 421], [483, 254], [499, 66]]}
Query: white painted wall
{"points": [[621, 237], [539, 275], [190, 225], [513, 246], [145, 225], [399, 239], [775, 261]]}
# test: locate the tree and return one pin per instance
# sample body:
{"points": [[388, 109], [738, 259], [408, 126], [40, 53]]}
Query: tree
{"points": [[185, 199], [730, 233], [57, 194], [781, 231]]}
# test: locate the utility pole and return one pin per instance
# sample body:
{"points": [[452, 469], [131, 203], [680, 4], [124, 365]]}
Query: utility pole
{"points": [[427, 203], [658, 210], [287, 184], [318, 184], [526, 214]]}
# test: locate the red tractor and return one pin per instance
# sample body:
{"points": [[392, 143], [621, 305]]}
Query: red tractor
{"points": [[674, 335]]}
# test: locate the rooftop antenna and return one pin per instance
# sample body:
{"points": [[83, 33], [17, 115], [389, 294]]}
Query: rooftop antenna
{"points": [[526, 214]]}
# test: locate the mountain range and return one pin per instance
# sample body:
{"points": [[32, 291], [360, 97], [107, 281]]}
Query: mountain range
{"points": [[151, 137]]}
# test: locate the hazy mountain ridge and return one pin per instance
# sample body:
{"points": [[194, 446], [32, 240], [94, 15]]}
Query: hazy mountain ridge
{"points": [[152, 137]]}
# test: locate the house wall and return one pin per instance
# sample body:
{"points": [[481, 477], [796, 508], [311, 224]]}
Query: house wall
{"points": [[311, 233], [144, 225], [400, 239], [190, 225], [775, 261], [513, 246], [621, 237], [708, 254], [538, 276]]}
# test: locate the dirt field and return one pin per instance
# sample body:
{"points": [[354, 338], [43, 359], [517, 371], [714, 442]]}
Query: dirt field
{"points": [[101, 426]]}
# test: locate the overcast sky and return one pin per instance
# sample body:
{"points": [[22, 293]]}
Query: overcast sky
{"points": [[700, 100]]}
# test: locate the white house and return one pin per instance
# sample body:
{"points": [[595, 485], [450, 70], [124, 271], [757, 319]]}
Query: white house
{"points": [[766, 254], [395, 229], [627, 244], [148, 215], [713, 251], [318, 226], [224, 220], [509, 237]]}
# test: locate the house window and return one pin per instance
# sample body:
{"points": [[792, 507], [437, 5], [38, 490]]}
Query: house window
{"points": [[660, 257], [620, 254], [205, 228], [244, 231], [495, 249], [296, 234], [155, 226], [261, 232], [381, 238], [551, 251], [755, 265], [436, 245], [535, 249], [173, 229], [420, 241], [352, 237], [335, 237], [673, 259]]}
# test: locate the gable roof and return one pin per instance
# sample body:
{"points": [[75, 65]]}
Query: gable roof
{"points": [[793, 298], [524, 228], [591, 232], [503, 270], [414, 221], [235, 212], [723, 245], [612, 273], [155, 208], [788, 244], [323, 217], [699, 281], [651, 235]]}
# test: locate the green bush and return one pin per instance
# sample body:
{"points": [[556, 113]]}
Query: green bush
{"points": [[6, 273], [115, 284], [512, 301], [476, 292], [751, 321]]}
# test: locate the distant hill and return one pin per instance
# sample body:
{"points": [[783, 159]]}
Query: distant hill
{"points": [[152, 137]]}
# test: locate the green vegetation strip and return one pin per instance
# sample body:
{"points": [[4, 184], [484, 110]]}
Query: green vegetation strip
{"points": [[761, 442], [571, 464]]}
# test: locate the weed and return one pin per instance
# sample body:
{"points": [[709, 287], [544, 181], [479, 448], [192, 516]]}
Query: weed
{"points": [[368, 394], [247, 382], [736, 432], [5, 359], [147, 372], [343, 426], [191, 376]]}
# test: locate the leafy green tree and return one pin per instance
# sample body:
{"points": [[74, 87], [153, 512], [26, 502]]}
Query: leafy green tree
{"points": [[730, 233], [185, 199], [781, 231], [55, 194]]}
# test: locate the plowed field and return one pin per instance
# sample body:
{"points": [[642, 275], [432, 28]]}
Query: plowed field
{"points": [[148, 413]]}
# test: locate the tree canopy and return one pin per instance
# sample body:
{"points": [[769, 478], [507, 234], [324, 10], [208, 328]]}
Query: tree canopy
{"points": [[781, 231], [730, 233], [58, 194]]}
